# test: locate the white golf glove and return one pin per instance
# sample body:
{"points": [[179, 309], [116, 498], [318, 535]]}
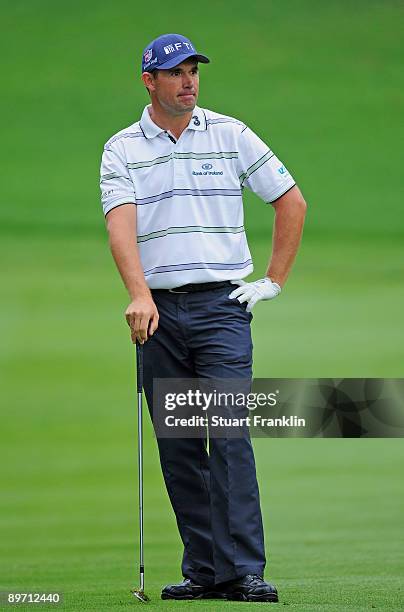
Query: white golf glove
{"points": [[262, 289]]}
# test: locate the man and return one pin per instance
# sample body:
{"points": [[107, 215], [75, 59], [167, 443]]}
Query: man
{"points": [[172, 195]]}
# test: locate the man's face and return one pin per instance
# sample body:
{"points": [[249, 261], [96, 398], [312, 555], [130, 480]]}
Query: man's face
{"points": [[176, 89]]}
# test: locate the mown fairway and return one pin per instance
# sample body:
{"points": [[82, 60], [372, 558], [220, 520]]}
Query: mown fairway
{"points": [[322, 83]]}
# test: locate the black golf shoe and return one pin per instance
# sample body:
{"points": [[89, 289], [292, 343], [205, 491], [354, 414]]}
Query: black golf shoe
{"points": [[250, 588], [188, 589]]}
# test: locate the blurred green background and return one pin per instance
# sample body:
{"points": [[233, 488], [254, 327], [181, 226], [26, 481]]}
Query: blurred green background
{"points": [[322, 83]]}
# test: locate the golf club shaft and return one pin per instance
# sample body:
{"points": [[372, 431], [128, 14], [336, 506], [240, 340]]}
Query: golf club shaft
{"points": [[139, 368]]}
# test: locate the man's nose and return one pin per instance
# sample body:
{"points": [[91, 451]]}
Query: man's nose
{"points": [[187, 81]]}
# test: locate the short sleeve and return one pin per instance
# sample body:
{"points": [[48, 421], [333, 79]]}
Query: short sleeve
{"points": [[259, 169], [115, 183]]}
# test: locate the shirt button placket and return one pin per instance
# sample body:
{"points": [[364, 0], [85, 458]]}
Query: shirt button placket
{"points": [[173, 161], [178, 170]]}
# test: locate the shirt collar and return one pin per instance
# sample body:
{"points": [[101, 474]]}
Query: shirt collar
{"points": [[150, 129], [198, 120]]}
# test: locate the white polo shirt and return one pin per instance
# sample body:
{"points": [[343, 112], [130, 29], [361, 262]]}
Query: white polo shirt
{"points": [[188, 193]]}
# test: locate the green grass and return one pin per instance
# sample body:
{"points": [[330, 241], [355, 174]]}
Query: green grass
{"points": [[332, 508], [322, 82]]}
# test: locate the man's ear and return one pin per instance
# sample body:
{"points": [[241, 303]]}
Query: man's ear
{"points": [[148, 80]]}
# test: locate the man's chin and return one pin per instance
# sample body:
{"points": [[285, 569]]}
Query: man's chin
{"points": [[188, 103], [181, 108]]}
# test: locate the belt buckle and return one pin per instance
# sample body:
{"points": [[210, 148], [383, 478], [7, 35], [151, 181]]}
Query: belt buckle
{"points": [[174, 291]]}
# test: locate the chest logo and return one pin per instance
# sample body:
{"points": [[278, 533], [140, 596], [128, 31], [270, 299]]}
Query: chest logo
{"points": [[207, 170]]}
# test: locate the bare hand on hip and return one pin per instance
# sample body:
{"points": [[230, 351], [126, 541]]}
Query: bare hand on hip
{"points": [[142, 317], [262, 289]]}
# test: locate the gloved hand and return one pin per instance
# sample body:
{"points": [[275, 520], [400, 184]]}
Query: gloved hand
{"points": [[262, 289]]}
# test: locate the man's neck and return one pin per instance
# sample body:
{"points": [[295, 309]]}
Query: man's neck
{"points": [[171, 123]]}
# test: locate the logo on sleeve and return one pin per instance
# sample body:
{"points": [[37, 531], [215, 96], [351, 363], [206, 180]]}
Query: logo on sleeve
{"points": [[282, 170]]}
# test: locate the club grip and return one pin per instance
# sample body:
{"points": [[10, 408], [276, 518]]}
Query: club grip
{"points": [[139, 366]]}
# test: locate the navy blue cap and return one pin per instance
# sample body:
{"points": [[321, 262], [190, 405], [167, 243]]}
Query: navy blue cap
{"points": [[168, 51]]}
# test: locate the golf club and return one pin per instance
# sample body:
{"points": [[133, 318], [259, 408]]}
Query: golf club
{"points": [[139, 593]]}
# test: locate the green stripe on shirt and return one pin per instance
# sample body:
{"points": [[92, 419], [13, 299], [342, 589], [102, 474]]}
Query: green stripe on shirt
{"points": [[260, 162], [191, 228], [176, 155]]}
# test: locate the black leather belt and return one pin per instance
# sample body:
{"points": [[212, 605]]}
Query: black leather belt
{"points": [[193, 287]]}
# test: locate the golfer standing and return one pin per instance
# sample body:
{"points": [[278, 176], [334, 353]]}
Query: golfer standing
{"points": [[172, 187]]}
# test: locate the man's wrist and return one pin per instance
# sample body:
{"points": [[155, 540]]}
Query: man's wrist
{"points": [[275, 280], [139, 291]]}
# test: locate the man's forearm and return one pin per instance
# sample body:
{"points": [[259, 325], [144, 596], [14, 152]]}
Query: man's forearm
{"points": [[141, 314], [290, 212], [123, 245]]}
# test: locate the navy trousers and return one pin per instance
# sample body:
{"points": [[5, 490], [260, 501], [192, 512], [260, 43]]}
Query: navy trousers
{"points": [[214, 495]]}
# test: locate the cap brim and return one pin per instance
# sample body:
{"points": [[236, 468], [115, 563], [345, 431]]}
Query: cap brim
{"points": [[178, 59]]}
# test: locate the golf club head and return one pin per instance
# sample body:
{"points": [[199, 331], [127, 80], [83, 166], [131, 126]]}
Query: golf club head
{"points": [[140, 595]]}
